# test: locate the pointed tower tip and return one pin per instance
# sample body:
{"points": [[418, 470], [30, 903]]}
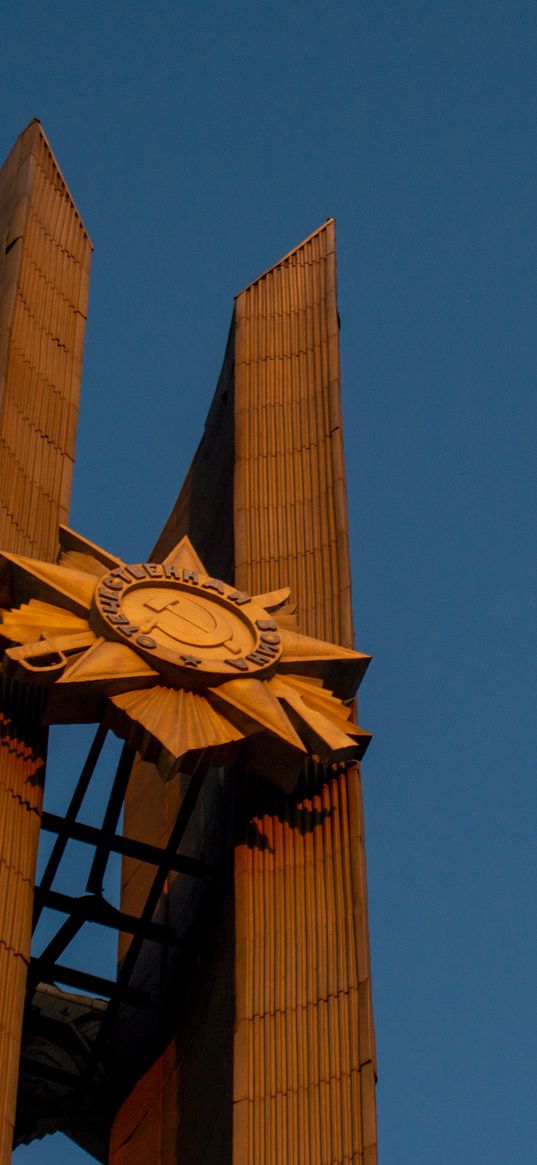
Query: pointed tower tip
{"points": [[38, 139], [329, 222]]}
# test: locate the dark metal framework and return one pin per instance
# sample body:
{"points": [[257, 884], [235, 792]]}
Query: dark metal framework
{"points": [[92, 907]]}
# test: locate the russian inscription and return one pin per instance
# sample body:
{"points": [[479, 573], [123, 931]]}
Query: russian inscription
{"points": [[186, 624]]}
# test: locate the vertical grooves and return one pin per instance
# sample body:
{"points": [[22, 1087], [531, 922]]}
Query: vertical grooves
{"points": [[310, 1075], [44, 270], [289, 477], [43, 290], [303, 1045], [21, 772], [304, 1024]]}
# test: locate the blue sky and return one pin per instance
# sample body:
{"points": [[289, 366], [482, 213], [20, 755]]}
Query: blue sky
{"points": [[201, 142]]}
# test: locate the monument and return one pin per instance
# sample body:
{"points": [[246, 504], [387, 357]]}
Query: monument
{"points": [[239, 1026]]}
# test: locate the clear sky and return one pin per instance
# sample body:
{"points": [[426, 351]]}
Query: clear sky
{"points": [[201, 142]]}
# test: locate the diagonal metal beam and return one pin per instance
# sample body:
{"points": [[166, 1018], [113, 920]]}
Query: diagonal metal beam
{"points": [[51, 972], [152, 901], [91, 908], [94, 908], [154, 855], [113, 811], [65, 935], [131, 957], [60, 844]]}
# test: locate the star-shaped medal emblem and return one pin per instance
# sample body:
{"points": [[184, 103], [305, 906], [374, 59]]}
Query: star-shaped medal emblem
{"points": [[185, 667]]}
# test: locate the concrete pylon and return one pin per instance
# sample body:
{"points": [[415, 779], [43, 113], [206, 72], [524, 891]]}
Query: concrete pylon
{"points": [[45, 257], [272, 1060]]}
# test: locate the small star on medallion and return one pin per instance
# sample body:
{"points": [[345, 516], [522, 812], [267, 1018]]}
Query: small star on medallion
{"points": [[191, 659]]}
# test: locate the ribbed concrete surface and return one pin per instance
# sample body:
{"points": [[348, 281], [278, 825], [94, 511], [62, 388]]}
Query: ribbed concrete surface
{"points": [[44, 272], [21, 784], [304, 1082], [290, 500], [292, 946], [44, 266], [304, 1043]]}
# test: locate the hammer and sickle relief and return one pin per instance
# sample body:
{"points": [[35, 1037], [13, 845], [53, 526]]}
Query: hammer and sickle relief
{"points": [[187, 621]]}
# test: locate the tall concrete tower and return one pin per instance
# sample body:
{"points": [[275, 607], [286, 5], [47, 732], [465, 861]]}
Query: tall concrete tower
{"points": [[45, 257], [274, 1060]]}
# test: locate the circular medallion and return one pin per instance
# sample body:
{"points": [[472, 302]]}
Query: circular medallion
{"points": [[195, 630]]}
